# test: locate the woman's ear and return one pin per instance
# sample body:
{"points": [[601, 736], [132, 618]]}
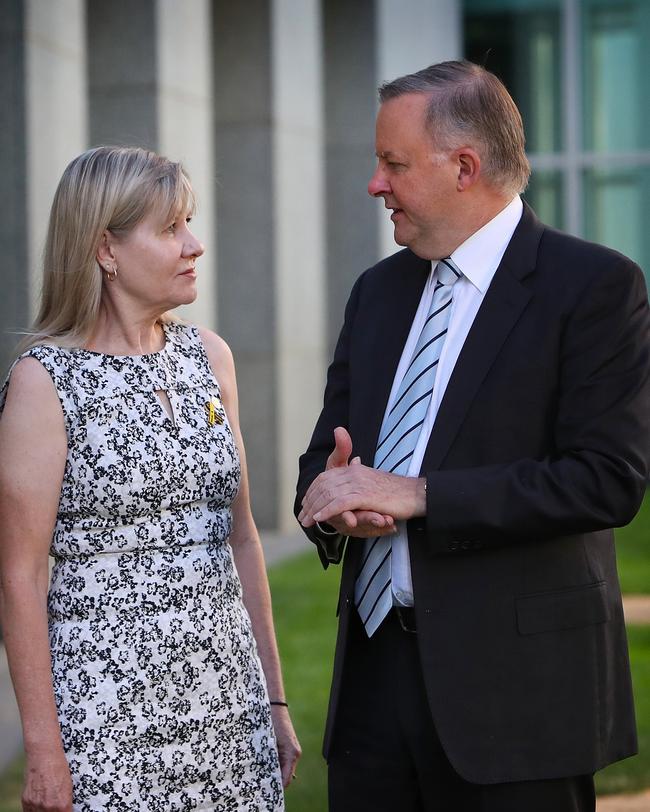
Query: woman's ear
{"points": [[105, 256]]}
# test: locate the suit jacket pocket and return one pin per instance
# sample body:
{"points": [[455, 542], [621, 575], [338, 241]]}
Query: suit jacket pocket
{"points": [[562, 609]]}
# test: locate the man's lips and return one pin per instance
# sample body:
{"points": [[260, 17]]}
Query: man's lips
{"points": [[189, 272], [395, 214]]}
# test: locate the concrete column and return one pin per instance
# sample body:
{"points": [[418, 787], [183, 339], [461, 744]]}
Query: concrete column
{"points": [[42, 91], [14, 303], [185, 130], [150, 76], [122, 72], [299, 234], [350, 106], [246, 294], [57, 113], [42, 83], [411, 36]]}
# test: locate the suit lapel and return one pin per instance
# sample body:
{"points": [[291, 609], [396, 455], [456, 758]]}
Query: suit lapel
{"points": [[502, 306], [399, 299]]}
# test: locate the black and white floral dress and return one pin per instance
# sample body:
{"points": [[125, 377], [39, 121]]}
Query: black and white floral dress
{"points": [[160, 693]]}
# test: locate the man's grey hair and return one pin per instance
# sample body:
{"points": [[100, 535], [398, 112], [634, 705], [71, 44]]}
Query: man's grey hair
{"points": [[469, 106]]}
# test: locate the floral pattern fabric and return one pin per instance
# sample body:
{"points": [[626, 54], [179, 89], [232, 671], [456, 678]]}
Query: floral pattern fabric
{"points": [[160, 693]]}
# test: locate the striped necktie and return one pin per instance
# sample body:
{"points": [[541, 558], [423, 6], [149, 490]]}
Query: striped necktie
{"points": [[397, 440]]}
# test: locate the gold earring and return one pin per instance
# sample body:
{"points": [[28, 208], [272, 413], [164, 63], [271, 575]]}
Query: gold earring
{"points": [[111, 272]]}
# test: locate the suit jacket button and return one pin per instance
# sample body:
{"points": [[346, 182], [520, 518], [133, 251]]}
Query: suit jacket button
{"points": [[453, 545], [466, 545]]}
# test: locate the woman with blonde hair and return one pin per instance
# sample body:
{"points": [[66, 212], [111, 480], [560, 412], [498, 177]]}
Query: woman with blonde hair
{"points": [[144, 676]]}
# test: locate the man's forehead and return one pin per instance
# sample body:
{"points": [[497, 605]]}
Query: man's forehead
{"points": [[403, 113]]}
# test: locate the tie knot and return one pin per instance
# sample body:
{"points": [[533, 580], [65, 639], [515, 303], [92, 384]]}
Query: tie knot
{"points": [[448, 271]]}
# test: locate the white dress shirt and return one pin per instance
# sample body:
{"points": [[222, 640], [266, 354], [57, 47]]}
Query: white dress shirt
{"points": [[478, 258]]}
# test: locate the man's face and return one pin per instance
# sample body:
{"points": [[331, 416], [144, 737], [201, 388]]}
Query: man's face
{"points": [[417, 182]]}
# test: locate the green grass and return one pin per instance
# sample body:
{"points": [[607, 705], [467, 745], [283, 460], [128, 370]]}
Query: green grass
{"points": [[633, 552], [11, 785], [304, 603]]}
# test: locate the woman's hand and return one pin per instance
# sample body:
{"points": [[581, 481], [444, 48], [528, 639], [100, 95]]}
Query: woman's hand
{"points": [[48, 786], [289, 749]]}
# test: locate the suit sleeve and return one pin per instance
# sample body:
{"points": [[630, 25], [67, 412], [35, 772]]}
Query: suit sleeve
{"points": [[335, 413], [596, 474]]}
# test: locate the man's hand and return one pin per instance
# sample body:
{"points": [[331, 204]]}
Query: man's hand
{"points": [[339, 458], [358, 500], [361, 523]]}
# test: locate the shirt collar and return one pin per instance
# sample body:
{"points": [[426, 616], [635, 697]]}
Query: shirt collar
{"points": [[479, 256]]}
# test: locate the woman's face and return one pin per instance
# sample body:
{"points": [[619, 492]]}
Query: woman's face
{"points": [[156, 263]]}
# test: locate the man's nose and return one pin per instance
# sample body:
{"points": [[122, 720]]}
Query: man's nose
{"points": [[378, 184]]}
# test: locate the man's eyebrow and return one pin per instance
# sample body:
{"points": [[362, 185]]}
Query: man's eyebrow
{"points": [[386, 153]]}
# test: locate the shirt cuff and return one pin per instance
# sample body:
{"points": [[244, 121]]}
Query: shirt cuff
{"points": [[331, 541]]}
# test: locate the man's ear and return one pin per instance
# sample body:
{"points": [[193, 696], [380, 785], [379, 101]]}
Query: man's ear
{"points": [[469, 167], [105, 255]]}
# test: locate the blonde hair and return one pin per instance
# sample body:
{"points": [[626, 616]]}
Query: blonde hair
{"points": [[104, 189]]}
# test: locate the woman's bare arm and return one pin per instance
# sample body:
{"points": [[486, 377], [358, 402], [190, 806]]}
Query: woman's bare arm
{"points": [[33, 450]]}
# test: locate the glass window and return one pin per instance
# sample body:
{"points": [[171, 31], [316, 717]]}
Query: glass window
{"points": [[520, 42], [545, 195], [615, 75], [616, 202], [579, 71]]}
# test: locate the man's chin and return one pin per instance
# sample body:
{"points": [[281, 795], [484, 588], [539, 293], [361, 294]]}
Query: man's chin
{"points": [[400, 238], [418, 247]]}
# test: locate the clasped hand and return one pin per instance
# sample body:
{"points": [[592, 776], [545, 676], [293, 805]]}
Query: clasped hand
{"points": [[358, 500]]}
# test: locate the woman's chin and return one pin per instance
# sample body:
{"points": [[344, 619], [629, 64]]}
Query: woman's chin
{"points": [[186, 297]]}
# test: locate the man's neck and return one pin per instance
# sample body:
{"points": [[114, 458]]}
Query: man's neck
{"points": [[477, 211]]}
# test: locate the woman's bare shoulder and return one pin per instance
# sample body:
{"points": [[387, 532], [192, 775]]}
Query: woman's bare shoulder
{"points": [[218, 352], [29, 379], [32, 412]]}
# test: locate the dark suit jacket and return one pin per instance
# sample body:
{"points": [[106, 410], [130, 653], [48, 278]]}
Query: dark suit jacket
{"points": [[540, 447]]}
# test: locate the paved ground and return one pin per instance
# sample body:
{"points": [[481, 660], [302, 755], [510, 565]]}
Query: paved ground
{"points": [[282, 545], [625, 803], [637, 610], [278, 546]]}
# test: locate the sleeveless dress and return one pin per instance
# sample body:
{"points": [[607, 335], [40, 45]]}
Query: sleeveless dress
{"points": [[160, 693]]}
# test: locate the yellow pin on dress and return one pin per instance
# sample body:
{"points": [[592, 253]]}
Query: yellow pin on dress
{"points": [[213, 407]]}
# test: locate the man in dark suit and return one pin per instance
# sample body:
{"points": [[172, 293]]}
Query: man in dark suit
{"points": [[481, 661]]}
